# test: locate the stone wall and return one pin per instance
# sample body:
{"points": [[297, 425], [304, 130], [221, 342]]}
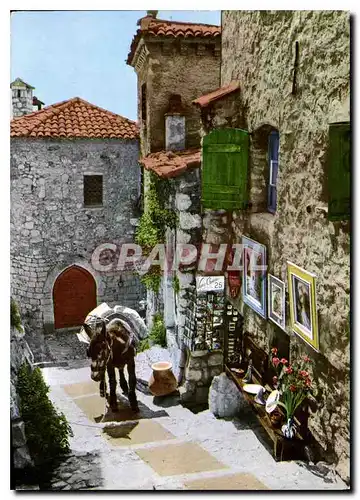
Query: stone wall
{"points": [[202, 367], [23, 104], [52, 230], [258, 49], [188, 68]]}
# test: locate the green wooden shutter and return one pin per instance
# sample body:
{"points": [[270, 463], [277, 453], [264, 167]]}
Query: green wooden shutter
{"points": [[224, 169], [339, 171]]}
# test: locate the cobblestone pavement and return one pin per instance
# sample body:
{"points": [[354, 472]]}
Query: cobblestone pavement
{"points": [[165, 446]]}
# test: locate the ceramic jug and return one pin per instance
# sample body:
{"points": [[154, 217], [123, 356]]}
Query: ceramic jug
{"points": [[162, 380]]}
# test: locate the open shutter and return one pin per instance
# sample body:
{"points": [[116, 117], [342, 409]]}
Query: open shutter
{"points": [[224, 169], [339, 171], [273, 156]]}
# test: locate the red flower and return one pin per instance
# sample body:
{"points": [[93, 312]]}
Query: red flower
{"points": [[288, 369], [274, 351], [275, 361], [292, 388], [308, 382], [275, 380], [307, 359], [303, 373], [284, 361]]}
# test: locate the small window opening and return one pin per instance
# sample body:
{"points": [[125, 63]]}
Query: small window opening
{"points": [[93, 190]]}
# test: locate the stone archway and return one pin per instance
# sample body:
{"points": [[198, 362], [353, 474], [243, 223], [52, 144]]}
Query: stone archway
{"points": [[74, 296]]}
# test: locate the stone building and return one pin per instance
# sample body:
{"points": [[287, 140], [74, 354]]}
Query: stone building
{"points": [[23, 101], [75, 185], [285, 80], [174, 61]]}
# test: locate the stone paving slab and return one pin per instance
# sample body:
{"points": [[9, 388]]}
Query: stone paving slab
{"points": [[142, 431], [178, 459], [81, 389], [229, 482]]}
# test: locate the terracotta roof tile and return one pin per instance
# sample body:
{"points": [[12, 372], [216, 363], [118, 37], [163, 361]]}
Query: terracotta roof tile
{"points": [[207, 99], [172, 163], [161, 27], [74, 118]]}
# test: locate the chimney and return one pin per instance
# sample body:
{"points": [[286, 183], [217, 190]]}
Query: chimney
{"points": [[22, 98], [175, 125], [152, 13]]}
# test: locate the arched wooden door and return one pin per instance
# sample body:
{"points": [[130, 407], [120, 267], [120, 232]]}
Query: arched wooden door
{"points": [[74, 296]]}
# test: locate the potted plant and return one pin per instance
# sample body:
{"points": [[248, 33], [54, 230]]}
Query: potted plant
{"points": [[295, 385]]}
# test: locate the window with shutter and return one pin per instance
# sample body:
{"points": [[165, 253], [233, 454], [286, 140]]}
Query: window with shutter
{"points": [[273, 158], [224, 169], [339, 165], [93, 190]]}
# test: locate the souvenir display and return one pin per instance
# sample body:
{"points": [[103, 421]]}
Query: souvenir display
{"points": [[254, 278], [276, 301], [302, 296], [233, 336]]}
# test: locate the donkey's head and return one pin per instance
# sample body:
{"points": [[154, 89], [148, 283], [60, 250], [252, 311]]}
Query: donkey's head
{"points": [[99, 349]]}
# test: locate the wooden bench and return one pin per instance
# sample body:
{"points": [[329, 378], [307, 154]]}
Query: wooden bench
{"points": [[283, 448]]}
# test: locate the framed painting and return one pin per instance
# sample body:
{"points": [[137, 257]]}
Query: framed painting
{"points": [[302, 296], [254, 275], [276, 301]]}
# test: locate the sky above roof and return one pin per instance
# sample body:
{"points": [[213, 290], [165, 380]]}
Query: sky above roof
{"points": [[66, 54]]}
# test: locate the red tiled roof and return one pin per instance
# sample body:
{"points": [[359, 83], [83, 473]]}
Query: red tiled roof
{"points": [[205, 100], [160, 27], [172, 163], [74, 118]]}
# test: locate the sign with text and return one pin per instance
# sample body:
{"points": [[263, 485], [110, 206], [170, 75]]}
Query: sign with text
{"points": [[210, 284]]}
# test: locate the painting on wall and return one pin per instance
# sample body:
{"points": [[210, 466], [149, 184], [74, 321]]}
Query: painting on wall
{"points": [[254, 278], [303, 313], [276, 301]]}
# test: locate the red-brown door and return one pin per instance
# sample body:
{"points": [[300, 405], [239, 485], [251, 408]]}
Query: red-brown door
{"points": [[74, 296]]}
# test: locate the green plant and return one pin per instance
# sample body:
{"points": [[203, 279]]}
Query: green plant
{"points": [[47, 431], [158, 331], [153, 224], [143, 345], [176, 284], [15, 318]]}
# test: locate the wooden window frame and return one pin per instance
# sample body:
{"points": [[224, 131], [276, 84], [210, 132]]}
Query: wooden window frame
{"points": [[273, 166], [96, 203]]}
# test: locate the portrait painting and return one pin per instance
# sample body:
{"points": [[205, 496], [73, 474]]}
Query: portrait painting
{"points": [[276, 301], [303, 313], [254, 275]]}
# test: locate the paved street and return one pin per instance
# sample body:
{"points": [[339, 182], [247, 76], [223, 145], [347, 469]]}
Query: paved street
{"points": [[165, 446]]}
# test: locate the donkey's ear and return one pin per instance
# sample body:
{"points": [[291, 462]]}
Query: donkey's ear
{"points": [[88, 330]]}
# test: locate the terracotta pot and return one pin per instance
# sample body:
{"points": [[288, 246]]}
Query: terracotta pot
{"points": [[162, 380]]}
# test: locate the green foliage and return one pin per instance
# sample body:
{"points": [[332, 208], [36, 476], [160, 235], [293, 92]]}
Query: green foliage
{"points": [[47, 432], [157, 334], [176, 284], [143, 345], [153, 224], [15, 318], [152, 279]]}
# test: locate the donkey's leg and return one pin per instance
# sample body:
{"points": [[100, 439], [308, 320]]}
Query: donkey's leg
{"points": [[132, 384], [103, 387], [112, 383], [123, 383]]}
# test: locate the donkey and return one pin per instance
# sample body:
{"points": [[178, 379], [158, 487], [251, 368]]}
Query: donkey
{"points": [[112, 346]]}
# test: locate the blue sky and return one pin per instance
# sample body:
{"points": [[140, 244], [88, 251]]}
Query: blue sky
{"points": [[64, 54]]}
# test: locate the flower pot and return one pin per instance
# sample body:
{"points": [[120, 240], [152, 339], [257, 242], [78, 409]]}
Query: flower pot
{"points": [[289, 429], [162, 381]]}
